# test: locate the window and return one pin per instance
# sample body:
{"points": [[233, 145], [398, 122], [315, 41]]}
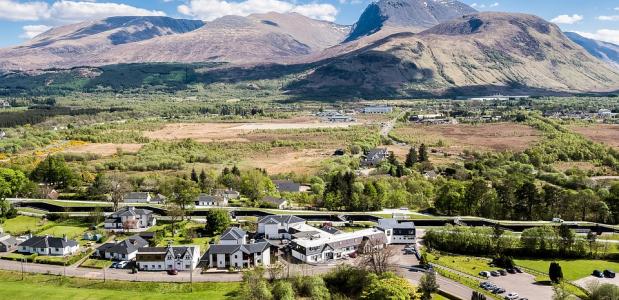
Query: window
{"points": [[235, 256], [187, 267]]}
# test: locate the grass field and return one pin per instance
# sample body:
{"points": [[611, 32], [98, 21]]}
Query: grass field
{"points": [[96, 263], [466, 264], [54, 287], [572, 269], [71, 232], [604, 133], [23, 224]]}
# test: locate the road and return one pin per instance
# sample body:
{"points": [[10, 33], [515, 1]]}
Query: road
{"points": [[388, 126]]}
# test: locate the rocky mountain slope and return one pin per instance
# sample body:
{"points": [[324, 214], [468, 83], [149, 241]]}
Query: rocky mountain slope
{"points": [[474, 54], [607, 52], [256, 38], [411, 15]]}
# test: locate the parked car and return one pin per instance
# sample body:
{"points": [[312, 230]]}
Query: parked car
{"points": [[511, 271], [114, 265], [609, 274], [121, 264], [517, 269], [172, 272], [498, 290], [502, 272], [598, 274], [512, 296], [557, 220], [484, 274], [495, 273]]}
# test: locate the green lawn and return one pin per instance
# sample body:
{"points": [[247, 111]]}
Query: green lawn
{"points": [[466, 264], [572, 269], [438, 297], [96, 263], [70, 231], [23, 224], [54, 287]]}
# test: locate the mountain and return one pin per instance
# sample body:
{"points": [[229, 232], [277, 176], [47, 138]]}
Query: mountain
{"points": [[607, 52], [415, 15], [256, 38], [473, 54]]}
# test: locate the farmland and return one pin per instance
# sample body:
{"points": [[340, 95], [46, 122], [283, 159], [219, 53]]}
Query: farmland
{"points": [[604, 133]]}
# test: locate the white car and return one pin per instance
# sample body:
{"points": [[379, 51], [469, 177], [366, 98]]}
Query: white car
{"points": [[121, 264], [512, 296]]}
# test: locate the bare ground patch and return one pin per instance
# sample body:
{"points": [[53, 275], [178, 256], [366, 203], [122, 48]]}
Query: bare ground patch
{"points": [[285, 160], [107, 149], [604, 133]]}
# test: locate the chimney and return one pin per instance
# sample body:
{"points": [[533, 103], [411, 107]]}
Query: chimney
{"points": [[252, 241], [64, 237]]}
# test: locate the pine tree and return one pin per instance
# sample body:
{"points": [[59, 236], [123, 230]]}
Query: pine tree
{"points": [[411, 157], [423, 153], [236, 171], [555, 273], [194, 175], [392, 159]]}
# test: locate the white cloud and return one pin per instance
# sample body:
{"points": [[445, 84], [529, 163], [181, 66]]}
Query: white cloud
{"points": [[482, 6], [495, 4], [609, 18], [213, 9], [606, 35], [567, 19], [65, 11], [31, 31]]}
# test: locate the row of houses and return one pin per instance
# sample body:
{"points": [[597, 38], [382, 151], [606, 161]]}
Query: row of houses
{"points": [[601, 114], [219, 197]]}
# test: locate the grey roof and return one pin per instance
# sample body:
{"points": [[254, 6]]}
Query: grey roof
{"points": [[287, 185], [177, 250], [274, 200], [223, 249], [331, 229], [210, 198], [137, 195], [8, 240], [233, 233], [130, 245], [376, 153], [393, 223], [305, 234], [130, 211], [281, 219], [255, 247], [48, 242], [230, 249]]}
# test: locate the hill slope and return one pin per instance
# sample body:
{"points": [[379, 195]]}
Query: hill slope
{"points": [[415, 15], [475, 54], [607, 52]]}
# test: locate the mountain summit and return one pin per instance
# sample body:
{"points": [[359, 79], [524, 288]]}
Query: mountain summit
{"points": [[416, 15]]}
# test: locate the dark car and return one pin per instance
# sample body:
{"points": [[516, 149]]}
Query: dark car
{"points": [[517, 269], [498, 291], [609, 274], [495, 273], [598, 273], [502, 272], [511, 271], [172, 272]]}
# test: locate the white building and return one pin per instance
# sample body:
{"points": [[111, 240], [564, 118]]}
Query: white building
{"points": [[130, 218], [238, 256], [280, 226], [179, 258], [123, 250], [382, 109], [398, 232], [48, 245], [137, 197], [323, 246], [211, 200]]}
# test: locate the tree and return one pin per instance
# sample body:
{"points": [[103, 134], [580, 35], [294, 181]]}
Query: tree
{"points": [[555, 273], [428, 285], [194, 176], [411, 158], [217, 220], [254, 286], [54, 171], [389, 286], [96, 215], [275, 270], [175, 213], [478, 296], [568, 238], [606, 291], [449, 198], [182, 192], [118, 187], [423, 153], [282, 290], [392, 159], [255, 184], [376, 258]]}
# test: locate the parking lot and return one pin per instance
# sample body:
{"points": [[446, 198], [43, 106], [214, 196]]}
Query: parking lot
{"points": [[524, 284], [585, 281]]}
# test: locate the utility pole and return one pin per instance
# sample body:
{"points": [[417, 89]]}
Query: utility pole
{"points": [[22, 268], [104, 273]]}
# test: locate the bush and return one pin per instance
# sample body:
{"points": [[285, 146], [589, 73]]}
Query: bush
{"points": [[504, 262], [283, 291], [555, 273]]}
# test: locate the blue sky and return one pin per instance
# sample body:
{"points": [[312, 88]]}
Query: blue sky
{"points": [[22, 19]]}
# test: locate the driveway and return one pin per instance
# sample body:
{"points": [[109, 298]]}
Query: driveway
{"points": [[524, 284], [591, 279]]}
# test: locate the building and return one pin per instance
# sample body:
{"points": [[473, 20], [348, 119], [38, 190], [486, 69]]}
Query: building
{"points": [[382, 109], [179, 258], [398, 232], [123, 250], [7, 243], [238, 256], [279, 203], [287, 186], [137, 197], [228, 194], [233, 236], [375, 157], [130, 218], [48, 245], [340, 119], [281, 226], [211, 200], [323, 246], [5, 104]]}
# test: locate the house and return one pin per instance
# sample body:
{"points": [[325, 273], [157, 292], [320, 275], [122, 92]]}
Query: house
{"points": [[159, 198], [324, 246], [430, 175], [211, 200], [7, 243], [228, 194], [397, 232], [5, 104], [130, 218], [48, 245], [123, 250], [375, 157], [381, 109], [224, 256], [233, 236], [279, 203], [340, 119], [137, 197], [287, 186], [180, 258], [281, 226]]}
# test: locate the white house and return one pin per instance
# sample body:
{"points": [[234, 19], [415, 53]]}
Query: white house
{"points": [[179, 258], [48, 245], [130, 218], [233, 236], [382, 109], [280, 226], [275, 202], [234, 251], [323, 246], [211, 200], [397, 232], [123, 250], [137, 197]]}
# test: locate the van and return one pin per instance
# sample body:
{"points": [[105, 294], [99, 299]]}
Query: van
{"points": [[557, 220]]}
